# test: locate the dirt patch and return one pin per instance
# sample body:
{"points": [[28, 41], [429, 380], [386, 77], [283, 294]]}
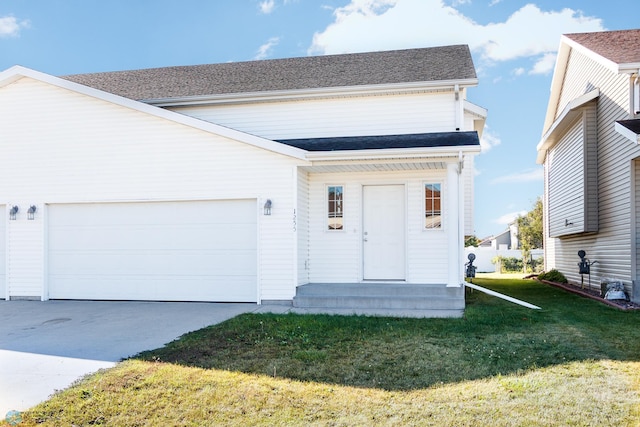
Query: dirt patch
{"points": [[594, 294]]}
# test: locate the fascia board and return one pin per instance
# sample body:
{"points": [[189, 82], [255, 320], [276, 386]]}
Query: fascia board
{"points": [[392, 153], [609, 64], [475, 109], [286, 95], [627, 133], [567, 116], [15, 73], [556, 82]]}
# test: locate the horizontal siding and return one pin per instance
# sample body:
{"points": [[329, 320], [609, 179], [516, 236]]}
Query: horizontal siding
{"points": [[567, 184], [611, 246], [302, 227], [87, 150], [336, 256], [355, 116], [3, 248], [25, 260]]}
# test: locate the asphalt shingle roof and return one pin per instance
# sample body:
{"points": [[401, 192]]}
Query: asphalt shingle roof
{"points": [[421, 140], [356, 69], [621, 47], [633, 125]]}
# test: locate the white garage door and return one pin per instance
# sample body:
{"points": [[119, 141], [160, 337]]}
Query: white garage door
{"points": [[174, 251], [3, 246]]}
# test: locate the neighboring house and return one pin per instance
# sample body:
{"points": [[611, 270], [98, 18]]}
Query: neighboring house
{"points": [[508, 239], [591, 156], [238, 181]]}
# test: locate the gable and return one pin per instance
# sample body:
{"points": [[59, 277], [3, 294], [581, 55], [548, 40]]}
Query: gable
{"points": [[16, 73], [61, 142]]}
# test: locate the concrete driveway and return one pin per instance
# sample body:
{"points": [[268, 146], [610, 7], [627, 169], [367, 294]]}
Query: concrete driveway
{"points": [[46, 346]]}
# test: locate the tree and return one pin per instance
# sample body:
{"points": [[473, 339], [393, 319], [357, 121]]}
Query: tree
{"points": [[530, 232], [471, 241]]}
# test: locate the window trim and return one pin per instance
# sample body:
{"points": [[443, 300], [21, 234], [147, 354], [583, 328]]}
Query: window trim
{"points": [[327, 212], [424, 208]]}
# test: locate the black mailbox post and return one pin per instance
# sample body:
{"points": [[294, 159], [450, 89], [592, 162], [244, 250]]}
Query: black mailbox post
{"points": [[470, 269], [584, 267]]}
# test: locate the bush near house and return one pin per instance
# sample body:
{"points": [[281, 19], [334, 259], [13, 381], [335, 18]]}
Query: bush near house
{"points": [[553, 276]]}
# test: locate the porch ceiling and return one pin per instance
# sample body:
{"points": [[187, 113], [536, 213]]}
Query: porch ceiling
{"points": [[389, 165]]}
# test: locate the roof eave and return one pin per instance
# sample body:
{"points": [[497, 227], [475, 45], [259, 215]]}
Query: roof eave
{"points": [[282, 95], [570, 112], [627, 133], [393, 153]]}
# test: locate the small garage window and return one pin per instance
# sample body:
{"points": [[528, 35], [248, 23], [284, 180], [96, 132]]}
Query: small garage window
{"points": [[335, 212], [432, 205]]}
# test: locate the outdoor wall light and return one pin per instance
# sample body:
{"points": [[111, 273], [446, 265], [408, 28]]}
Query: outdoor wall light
{"points": [[13, 212], [31, 212], [267, 207]]}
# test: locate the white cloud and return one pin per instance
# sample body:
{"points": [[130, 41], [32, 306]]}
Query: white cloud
{"points": [[488, 140], [267, 6], [545, 64], [265, 50], [508, 218], [365, 25], [529, 175], [10, 26], [519, 71]]}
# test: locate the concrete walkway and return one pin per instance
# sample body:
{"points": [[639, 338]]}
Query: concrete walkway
{"points": [[46, 346]]}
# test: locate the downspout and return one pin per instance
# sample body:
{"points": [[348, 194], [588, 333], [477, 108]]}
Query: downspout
{"points": [[459, 108], [461, 216]]}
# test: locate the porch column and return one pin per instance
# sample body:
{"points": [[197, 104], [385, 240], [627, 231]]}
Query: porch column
{"points": [[453, 225]]}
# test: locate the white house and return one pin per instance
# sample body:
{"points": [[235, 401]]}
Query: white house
{"points": [[591, 155], [238, 181]]}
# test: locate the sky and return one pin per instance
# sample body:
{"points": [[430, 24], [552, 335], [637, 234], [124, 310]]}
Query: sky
{"points": [[513, 44]]}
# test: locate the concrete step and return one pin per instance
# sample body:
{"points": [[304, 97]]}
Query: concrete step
{"points": [[380, 312], [380, 289], [376, 302], [382, 299]]}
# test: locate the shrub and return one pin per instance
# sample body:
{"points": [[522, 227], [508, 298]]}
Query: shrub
{"points": [[553, 276]]}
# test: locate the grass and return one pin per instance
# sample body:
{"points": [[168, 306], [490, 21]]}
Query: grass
{"points": [[575, 362]]}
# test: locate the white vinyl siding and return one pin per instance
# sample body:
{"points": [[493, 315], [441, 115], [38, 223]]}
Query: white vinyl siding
{"points": [[3, 253], [355, 116], [337, 257], [162, 251], [88, 150], [572, 164], [611, 246], [302, 227]]}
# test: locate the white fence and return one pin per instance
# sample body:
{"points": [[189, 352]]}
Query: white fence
{"points": [[485, 255]]}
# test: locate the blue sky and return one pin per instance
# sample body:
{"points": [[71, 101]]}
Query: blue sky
{"points": [[513, 44]]}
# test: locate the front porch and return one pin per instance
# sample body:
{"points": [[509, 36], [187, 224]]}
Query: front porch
{"points": [[381, 299]]}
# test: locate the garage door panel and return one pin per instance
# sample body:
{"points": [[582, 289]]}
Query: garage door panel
{"points": [[210, 262], [191, 237], [158, 288], [162, 213], [175, 251]]}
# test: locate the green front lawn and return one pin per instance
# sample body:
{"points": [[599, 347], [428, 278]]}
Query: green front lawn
{"points": [[575, 362]]}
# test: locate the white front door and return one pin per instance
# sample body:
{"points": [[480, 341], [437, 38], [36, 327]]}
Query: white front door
{"points": [[384, 232]]}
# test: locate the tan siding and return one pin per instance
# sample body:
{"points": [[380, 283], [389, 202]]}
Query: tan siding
{"points": [[566, 184], [611, 245], [82, 149], [377, 115]]}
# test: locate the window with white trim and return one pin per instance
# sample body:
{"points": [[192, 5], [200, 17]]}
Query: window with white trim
{"points": [[432, 206], [335, 211]]}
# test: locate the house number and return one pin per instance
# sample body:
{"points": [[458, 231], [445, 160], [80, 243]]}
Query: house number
{"points": [[294, 221]]}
